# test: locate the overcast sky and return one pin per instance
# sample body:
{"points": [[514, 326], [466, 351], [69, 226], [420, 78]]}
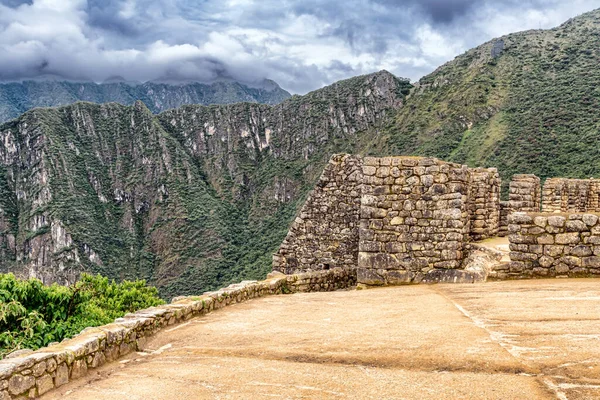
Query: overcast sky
{"points": [[301, 44]]}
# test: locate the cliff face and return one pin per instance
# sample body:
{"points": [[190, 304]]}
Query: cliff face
{"points": [[189, 199], [16, 98]]}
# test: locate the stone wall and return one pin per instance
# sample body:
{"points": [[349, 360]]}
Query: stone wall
{"points": [[33, 374], [525, 193], [325, 233], [554, 244], [505, 210], [414, 218], [484, 203], [571, 195]]}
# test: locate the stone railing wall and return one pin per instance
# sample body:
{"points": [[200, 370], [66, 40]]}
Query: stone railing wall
{"points": [[414, 218], [554, 244], [32, 374], [324, 235], [484, 203], [571, 195]]}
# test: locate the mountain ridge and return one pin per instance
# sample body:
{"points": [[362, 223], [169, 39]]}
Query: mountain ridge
{"points": [[18, 97]]}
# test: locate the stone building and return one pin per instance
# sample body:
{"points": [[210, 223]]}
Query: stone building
{"points": [[394, 219]]}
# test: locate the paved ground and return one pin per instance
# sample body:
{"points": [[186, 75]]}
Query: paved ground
{"points": [[537, 339]]}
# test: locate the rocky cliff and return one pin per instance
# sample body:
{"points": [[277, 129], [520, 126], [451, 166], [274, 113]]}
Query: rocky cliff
{"points": [[190, 199]]}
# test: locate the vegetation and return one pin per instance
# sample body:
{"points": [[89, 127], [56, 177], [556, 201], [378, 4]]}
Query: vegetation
{"points": [[33, 315], [529, 106]]}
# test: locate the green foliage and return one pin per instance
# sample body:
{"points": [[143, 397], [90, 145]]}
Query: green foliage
{"points": [[531, 109], [33, 315]]}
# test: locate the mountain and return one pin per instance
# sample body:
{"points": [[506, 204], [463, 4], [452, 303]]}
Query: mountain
{"points": [[199, 196], [190, 199], [18, 97], [526, 103]]}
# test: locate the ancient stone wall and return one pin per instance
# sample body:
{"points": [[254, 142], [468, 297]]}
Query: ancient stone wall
{"points": [[33, 374], [524, 193], [554, 244], [484, 203], [414, 218], [325, 233], [571, 195]]}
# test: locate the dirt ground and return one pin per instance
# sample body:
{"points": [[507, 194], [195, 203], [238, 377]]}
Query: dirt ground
{"points": [[535, 339]]}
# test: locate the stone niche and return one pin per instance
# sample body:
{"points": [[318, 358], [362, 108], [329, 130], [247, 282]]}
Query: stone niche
{"points": [[484, 203], [324, 235], [393, 219], [571, 195]]}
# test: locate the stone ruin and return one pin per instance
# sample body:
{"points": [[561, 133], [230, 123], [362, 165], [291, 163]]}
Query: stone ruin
{"points": [[571, 195], [395, 220]]}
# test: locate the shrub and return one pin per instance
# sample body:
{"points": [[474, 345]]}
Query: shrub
{"points": [[33, 315]]}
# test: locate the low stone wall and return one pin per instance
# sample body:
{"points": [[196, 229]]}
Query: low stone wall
{"points": [[547, 245], [33, 374]]}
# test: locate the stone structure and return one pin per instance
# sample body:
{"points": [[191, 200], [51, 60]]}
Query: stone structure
{"points": [[571, 195], [325, 233], [414, 218], [484, 203], [505, 210], [416, 215], [554, 244], [524, 193], [32, 374]]}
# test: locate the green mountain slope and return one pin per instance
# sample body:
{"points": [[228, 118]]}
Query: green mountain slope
{"points": [[18, 97], [525, 103], [190, 199]]}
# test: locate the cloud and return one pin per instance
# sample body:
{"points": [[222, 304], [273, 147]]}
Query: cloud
{"points": [[301, 44]]}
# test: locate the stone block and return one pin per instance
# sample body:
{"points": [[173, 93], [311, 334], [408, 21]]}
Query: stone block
{"points": [[576, 226], [581, 251], [44, 384], [556, 221], [19, 384], [590, 219], [568, 238], [545, 239]]}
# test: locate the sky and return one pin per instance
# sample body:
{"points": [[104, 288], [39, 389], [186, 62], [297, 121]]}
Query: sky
{"points": [[301, 44]]}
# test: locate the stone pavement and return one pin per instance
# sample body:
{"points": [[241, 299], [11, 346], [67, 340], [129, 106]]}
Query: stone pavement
{"points": [[535, 339]]}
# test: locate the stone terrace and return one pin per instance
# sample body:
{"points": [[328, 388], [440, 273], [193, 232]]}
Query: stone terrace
{"points": [[534, 339]]}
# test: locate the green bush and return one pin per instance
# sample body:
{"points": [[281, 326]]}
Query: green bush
{"points": [[32, 315]]}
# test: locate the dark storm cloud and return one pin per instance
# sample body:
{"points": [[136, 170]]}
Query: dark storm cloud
{"points": [[301, 44], [15, 3]]}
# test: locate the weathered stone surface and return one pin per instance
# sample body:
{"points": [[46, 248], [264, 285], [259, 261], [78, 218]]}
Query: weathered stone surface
{"points": [[44, 384], [568, 246], [19, 384], [568, 238]]}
